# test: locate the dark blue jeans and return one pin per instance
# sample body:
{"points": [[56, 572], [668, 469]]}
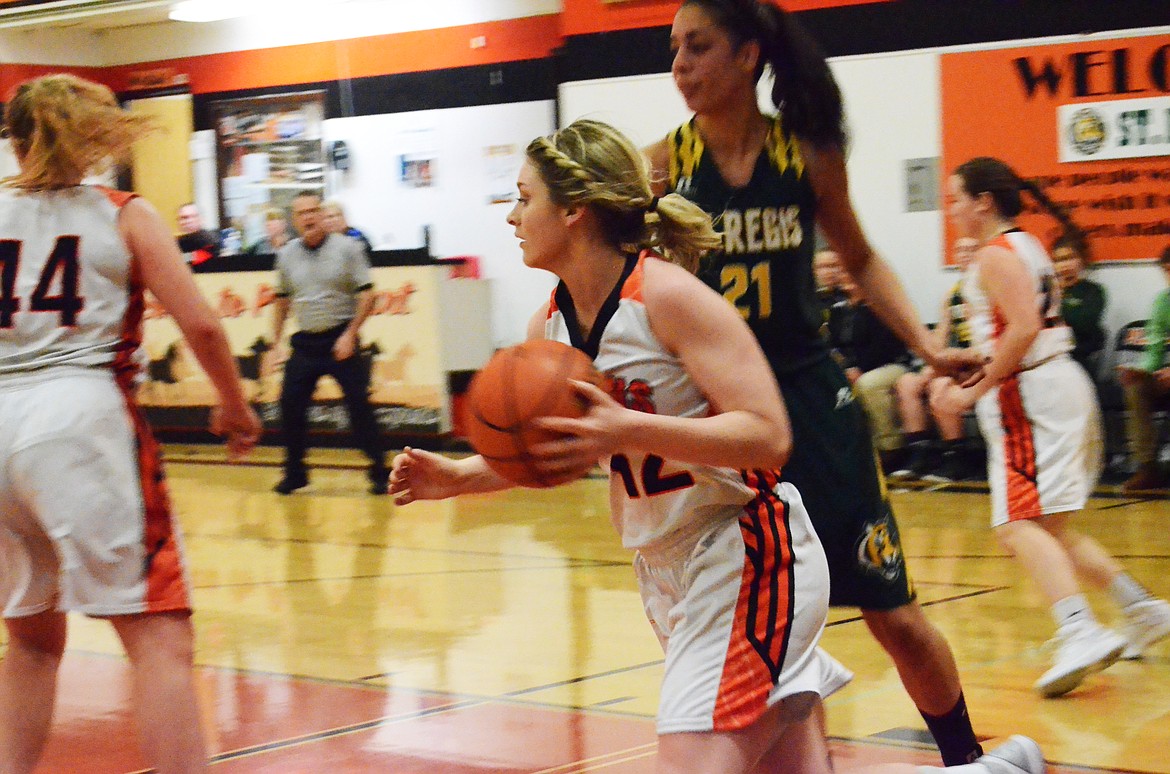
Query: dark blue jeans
{"points": [[312, 358]]}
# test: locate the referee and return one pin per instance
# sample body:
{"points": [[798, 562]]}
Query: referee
{"points": [[325, 279]]}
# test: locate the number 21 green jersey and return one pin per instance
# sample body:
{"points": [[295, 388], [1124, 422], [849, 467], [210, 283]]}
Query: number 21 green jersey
{"points": [[765, 267]]}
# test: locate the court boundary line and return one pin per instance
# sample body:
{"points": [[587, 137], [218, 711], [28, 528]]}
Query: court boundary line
{"points": [[463, 701], [376, 576], [1103, 491]]}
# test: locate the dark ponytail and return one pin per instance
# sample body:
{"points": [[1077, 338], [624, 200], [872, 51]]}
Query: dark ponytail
{"points": [[804, 90], [986, 175]]}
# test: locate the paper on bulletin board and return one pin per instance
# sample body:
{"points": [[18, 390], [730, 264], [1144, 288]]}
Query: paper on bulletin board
{"points": [[502, 163]]}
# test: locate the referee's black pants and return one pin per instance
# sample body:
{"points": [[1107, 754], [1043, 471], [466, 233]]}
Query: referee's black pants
{"points": [[312, 358]]}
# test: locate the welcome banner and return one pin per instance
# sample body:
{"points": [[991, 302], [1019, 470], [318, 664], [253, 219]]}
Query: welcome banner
{"points": [[1089, 121]]}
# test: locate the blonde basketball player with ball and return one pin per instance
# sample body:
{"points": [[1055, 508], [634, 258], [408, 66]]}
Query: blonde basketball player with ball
{"points": [[693, 433]]}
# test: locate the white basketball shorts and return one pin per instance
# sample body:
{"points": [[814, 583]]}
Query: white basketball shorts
{"points": [[740, 617], [1042, 428], [85, 519]]}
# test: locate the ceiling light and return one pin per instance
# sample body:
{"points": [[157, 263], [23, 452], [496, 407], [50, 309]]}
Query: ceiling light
{"points": [[218, 10], [209, 10]]}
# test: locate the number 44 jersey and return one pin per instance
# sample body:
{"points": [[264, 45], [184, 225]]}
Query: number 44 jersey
{"points": [[655, 503], [68, 294]]}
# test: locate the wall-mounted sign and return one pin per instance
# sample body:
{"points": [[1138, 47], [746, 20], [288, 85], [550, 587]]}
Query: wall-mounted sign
{"points": [[1087, 120], [155, 78], [1117, 129]]}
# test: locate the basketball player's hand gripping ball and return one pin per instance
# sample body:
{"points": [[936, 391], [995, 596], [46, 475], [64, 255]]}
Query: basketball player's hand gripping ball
{"points": [[518, 387]]}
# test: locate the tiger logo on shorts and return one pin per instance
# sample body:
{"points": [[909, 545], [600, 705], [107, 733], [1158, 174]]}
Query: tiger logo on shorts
{"points": [[878, 550]]}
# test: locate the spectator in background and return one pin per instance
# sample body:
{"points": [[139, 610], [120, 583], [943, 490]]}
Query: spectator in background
{"points": [[874, 358], [827, 274], [1146, 385], [275, 236], [333, 217], [946, 460], [197, 244], [1082, 302]]}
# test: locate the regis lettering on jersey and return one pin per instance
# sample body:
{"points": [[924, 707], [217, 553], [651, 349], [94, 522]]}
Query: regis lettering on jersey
{"points": [[761, 229]]}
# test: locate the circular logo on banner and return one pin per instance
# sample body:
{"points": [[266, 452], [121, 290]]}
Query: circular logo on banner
{"points": [[1087, 131]]}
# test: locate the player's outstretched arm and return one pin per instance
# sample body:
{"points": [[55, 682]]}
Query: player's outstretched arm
{"points": [[166, 276], [422, 475], [883, 291]]}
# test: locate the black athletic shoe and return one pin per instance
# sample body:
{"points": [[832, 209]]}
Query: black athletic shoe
{"points": [[290, 484], [922, 460], [954, 467], [379, 481]]}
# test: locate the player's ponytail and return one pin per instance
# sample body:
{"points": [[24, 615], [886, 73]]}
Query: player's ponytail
{"points": [[995, 178], [680, 230], [64, 128], [804, 90], [589, 163], [1060, 213]]}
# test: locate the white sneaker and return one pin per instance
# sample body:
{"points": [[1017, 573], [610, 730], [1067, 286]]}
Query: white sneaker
{"points": [[1084, 649], [1145, 623], [1017, 755]]}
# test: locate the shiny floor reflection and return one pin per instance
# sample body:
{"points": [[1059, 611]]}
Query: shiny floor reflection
{"points": [[503, 633]]}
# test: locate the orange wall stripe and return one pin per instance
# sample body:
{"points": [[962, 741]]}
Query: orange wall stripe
{"points": [[506, 41], [12, 75], [510, 40], [584, 17]]}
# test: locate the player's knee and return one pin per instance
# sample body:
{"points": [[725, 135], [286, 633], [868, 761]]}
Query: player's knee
{"points": [[904, 627], [39, 636]]}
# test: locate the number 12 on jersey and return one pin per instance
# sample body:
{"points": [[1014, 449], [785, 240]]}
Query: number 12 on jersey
{"points": [[652, 479], [60, 270]]}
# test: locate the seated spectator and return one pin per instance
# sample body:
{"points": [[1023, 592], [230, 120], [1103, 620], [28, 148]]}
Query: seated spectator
{"points": [[1146, 384], [197, 244], [1082, 301], [827, 274], [873, 358], [276, 234], [333, 218], [945, 460]]}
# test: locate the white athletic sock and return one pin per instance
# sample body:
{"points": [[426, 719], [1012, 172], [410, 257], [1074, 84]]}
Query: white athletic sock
{"points": [[1126, 591], [1072, 610]]}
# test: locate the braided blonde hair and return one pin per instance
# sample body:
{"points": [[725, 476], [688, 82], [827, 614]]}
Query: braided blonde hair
{"points": [[589, 163], [64, 128]]}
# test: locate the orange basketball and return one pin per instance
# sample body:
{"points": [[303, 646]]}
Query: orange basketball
{"points": [[517, 385]]}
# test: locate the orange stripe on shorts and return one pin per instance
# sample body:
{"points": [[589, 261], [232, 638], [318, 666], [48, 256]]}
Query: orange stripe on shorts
{"points": [[1023, 494], [166, 585], [763, 611]]}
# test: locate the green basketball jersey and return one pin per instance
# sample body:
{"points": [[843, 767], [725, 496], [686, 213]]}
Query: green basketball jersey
{"points": [[765, 267], [958, 332]]}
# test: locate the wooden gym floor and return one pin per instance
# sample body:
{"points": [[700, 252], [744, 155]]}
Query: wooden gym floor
{"points": [[503, 633]]}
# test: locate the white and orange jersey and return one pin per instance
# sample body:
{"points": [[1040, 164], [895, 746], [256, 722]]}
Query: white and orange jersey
{"points": [[68, 291], [655, 503], [986, 323]]}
